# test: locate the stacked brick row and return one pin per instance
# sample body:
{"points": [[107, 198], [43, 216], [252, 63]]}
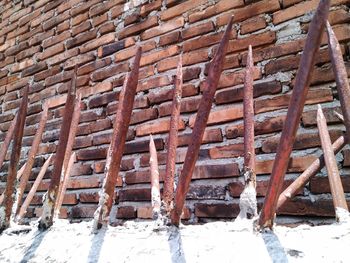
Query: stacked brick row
{"points": [[41, 41]]}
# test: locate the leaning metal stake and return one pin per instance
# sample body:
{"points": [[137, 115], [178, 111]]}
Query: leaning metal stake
{"points": [[247, 202], [49, 201], [155, 190], [8, 138], [6, 207], [116, 149], [339, 201], [341, 77], [210, 86], [31, 156], [295, 109], [311, 171], [168, 189]]}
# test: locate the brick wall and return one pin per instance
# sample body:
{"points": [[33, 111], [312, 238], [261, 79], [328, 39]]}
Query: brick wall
{"points": [[41, 41]]}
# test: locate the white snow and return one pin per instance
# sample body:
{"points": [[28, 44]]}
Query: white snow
{"points": [[211, 242]]}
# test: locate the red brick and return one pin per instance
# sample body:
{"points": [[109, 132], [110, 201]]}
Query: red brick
{"points": [[163, 28], [142, 176], [149, 7], [85, 26], [309, 117], [130, 52], [210, 136], [237, 188], [314, 96], [346, 154], [157, 96], [235, 78], [142, 146], [79, 60], [145, 212], [219, 210], [83, 211], [170, 38], [139, 194], [62, 56], [55, 20], [302, 141], [126, 212], [16, 49], [320, 185], [132, 18], [34, 69], [325, 74], [115, 47], [143, 115], [103, 99], [155, 82], [236, 94], [158, 126], [227, 151], [88, 68], [268, 125], [253, 24], [187, 105], [180, 9], [103, 7], [158, 55], [109, 71], [221, 6], [139, 27], [79, 19], [56, 39], [254, 9], [83, 7], [209, 171], [93, 44], [222, 115]]}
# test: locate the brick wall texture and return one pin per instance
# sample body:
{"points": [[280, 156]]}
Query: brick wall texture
{"points": [[41, 42]]}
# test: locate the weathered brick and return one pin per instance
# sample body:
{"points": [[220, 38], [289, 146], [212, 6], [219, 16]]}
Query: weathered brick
{"points": [[79, 19], [40, 37], [163, 28], [222, 115], [82, 38], [268, 125], [302, 141], [155, 82], [309, 117], [139, 27], [314, 96], [106, 28], [254, 9], [131, 52], [253, 24], [88, 68], [126, 212], [235, 78], [55, 20], [346, 154], [209, 136], [109, 71], [103, 7], [149, 7], [62, 56], [170, 38], [83, 7], [51, 51], [105, 39], [180, 9], [221, 6], [158, 55], [236, 94], [324, 74], [227, 151], [16, 49], [157, 96], [198, 30], [34, 69], [158, 126], [320, 185], [103, 99], [142, 146], [115, 47], [83, 211], [89, 197], [187, 105], [209, 171], [219, 210], [143, 115]]}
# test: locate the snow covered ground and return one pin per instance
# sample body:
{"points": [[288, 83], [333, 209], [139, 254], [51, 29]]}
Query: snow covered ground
{"points": [[211, 242]]}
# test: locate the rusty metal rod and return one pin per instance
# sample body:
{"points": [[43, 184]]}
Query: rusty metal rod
{"points": [[32, 191], [49, 202], [168, 189], [295, 109], [341, 78], [339, 116], [115, 152], [8, 138], [311, 171], [70, 143], [335, 183], [31, 156], [19, 174], [155, 190], [64, 184], [10, 190], [210, 86]]}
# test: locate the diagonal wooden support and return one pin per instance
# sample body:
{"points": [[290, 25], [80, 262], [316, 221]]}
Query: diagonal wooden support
{"points": [[49, 201], [31, 156], [311, 171], [247, 202], [116, 148], [6, 207], [70, 144], [210, 86], [64, 184], [8, 138], [341, 78], [32, 191], [155, 190], [295, 109], [168, 190], [339, 201]]}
